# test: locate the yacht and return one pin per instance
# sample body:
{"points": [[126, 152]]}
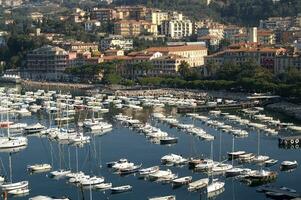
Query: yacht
{"points": [[260, 159]]}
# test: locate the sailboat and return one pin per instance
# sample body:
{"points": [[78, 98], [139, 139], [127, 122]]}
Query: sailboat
{"points": [[12, 142], [60, 173], [215, 185], [235, 171], [10, 186]]}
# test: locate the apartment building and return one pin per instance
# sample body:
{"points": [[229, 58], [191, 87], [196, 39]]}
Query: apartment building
{"points": [[47, 63], [263, 56], [177, 28], [133, 28]]}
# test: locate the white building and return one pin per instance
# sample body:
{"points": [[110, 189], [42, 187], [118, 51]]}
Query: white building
{"points": [[116, 42], [157, 16], [177, 28], [216, 31]]}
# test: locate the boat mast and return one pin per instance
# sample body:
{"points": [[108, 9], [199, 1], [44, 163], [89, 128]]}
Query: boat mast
{"points": [[232, 150], [10, 168], [76, 155], [7, 119]]}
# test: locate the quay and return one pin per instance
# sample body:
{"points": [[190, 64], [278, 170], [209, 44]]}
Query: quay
{"points": [[56, 85], [218, 106]]}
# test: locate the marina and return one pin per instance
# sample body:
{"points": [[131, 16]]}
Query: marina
{"points": [[107, 146]]}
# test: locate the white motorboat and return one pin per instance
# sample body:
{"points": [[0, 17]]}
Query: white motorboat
{"points": [[103, 186], [171, 197], [147, 171], [173, 159], [286, 165], [14, 186], [92, 181], [2, 179], [199, 184], [60, 173], [182, 180], [121, 189], [215, 186], [206, 164], [39, 167], [221, 167]]}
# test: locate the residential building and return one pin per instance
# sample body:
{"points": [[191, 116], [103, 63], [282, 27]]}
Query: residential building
{"points": [[217, 31], [231, 31], [78, 46], [157, 17], [285, 62], [103, 14], [265, 37], [177, 28], [116, 42], [194, 54], [47, 63], [133, 28], [131, 12], [240, 54], [276, 23]]}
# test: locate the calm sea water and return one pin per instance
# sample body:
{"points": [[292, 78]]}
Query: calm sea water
{"points": [[122, 142]]}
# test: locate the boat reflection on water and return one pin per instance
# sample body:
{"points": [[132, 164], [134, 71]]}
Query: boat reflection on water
{"points": [[12, 150]]}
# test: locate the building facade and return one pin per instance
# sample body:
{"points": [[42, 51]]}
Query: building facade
{"points": [[116, 42], [177, 28]]}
